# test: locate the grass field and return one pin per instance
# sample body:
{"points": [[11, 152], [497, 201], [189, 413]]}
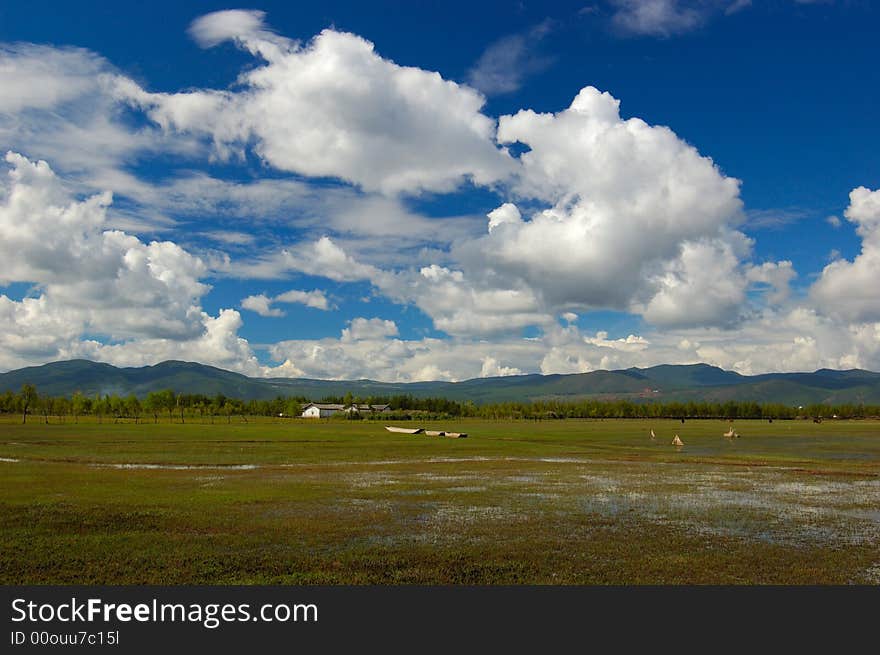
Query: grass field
{"points": [[555, 502]]}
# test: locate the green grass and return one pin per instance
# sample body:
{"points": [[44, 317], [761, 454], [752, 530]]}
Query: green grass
{"points": [[336, 502]]}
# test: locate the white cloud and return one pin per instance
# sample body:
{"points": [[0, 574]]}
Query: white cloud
{"points": [[50, 239], [143, 298], [315, 298], [38, 77], [506, 213], [658, 17], [334, 107], [630, 343], [703, 286], [229, 237], [56, 106], [504, 65], [262, 304], [849, 289], [639, 221], [458, 306], [492, 368], [246, 27], [777, 275], [361, 329], [322, 257], [382, 357], [217, 344], [794, 340], [633, 207]]}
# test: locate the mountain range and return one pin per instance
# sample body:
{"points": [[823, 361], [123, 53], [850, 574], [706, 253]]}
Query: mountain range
{"points": [[665, 382]]}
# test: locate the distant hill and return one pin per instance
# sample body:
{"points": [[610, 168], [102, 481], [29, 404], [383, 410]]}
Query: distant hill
{"points": [[666, 382]]}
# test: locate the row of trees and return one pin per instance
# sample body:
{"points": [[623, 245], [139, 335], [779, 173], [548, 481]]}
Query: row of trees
{"points": [[180, 407], [156, 404]]}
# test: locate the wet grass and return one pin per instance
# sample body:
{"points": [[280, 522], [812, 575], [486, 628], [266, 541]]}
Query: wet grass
{"points": [[555, 502]]}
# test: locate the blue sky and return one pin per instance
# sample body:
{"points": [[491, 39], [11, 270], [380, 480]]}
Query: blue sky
{"points": [[408, 191]]}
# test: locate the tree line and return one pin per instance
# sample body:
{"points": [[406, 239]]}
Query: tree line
{"points": [[180, 407], [157, 404]]}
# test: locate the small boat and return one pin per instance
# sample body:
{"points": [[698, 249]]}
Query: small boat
{"points": [[456, 435], [676, 441], [391, 428], [435, 433], [653, 436]]}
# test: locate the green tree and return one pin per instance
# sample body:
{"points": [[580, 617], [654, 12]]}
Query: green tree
{"points": [[292, 407], [153, 404], [133, 407], [77, 405], [169, 402], [45, 404], [27, 398]]}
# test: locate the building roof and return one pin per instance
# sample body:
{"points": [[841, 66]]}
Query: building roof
{"points": [[340, 408], [367, 408]]}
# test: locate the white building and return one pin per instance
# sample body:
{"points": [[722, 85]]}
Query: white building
{"points": [[324, 410], [321, 410]]}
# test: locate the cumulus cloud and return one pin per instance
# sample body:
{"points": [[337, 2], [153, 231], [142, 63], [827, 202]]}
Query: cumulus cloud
{"points": [[92, 280], [262, 304], [492, 368], [849, 288], [383, 357], [506, 213], [84, 273], [777, 276], [59, 243], [360, 329], [796, 339], [217, 344], [633, 209], [334, 107], [458, 306], [637, 221], [703, 286], [315, 298]]}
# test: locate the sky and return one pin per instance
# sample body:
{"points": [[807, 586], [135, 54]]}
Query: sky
{"points": [[441, 191]]}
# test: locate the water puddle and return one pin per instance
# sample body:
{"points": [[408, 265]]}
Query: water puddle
{"points": [[179, 467]]}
